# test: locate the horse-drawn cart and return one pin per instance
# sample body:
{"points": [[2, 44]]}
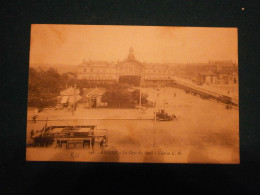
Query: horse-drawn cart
{"points": [[161, 115]]}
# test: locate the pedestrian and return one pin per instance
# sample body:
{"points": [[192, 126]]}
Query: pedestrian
{"points": [[32, 133], [102, 143], [34, 118]]}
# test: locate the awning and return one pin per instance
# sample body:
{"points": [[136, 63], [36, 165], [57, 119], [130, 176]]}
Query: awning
{"points": [[84, 129], [64, 99]]}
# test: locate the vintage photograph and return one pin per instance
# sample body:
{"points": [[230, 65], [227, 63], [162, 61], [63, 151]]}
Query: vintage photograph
{"points": [[133, 94]]}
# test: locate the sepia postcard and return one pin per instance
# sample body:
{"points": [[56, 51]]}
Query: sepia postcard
{"points": [[133, 94]]}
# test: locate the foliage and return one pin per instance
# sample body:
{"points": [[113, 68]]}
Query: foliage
{"points": [[45, 86], [136, 97], [86, 84], [120, 96]]}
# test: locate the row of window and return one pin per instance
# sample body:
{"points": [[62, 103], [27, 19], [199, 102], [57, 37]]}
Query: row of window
{"points": [[132, 69], [109, 77], [157, 77], [152, 71], [98, 70], [97, 77], [126, 69]]}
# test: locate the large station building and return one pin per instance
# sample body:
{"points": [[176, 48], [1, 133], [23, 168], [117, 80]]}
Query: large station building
{"points": [[128, 70]]}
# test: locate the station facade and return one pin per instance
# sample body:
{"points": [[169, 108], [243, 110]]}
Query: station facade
{"points": [[129, 69]]}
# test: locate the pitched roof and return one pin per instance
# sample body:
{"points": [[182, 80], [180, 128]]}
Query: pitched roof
{"points": [[222, 62], [94, 91], [96, 63], [207, 73], [70, 91], [127, 60]]}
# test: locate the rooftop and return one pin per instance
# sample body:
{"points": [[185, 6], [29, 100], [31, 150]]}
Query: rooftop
{"points": [[70, 91]]}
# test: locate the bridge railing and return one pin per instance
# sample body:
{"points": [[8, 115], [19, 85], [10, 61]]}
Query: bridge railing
{"points": [[209, 92]]}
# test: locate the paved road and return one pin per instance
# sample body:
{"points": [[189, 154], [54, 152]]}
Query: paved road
{"points": [[204, 130]]}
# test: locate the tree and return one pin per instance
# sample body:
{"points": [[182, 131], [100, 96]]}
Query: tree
{"points": [[118, 96], [44, 87], [136, 97]]}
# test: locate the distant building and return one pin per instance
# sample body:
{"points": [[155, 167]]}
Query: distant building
{"points": [[129, 69], [213, 72], [96, 71], [224, 67], [207, 78], [217, 67], [217, 78], [228, 78]]}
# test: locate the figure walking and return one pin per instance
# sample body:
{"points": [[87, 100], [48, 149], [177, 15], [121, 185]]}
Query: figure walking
{"points": [[34, 118]]}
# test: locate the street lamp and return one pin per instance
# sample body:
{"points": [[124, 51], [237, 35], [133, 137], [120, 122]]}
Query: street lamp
{"points": [[140, 97], [41, 105], [74, 103]]}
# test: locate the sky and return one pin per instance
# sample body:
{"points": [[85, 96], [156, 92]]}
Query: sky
{"points": [[70, 44]]}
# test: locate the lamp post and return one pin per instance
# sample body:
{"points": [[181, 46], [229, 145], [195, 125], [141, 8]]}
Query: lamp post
{"points": [[154, 123], [155, 118], [74, 103], [41, 105], [140, 97]]}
